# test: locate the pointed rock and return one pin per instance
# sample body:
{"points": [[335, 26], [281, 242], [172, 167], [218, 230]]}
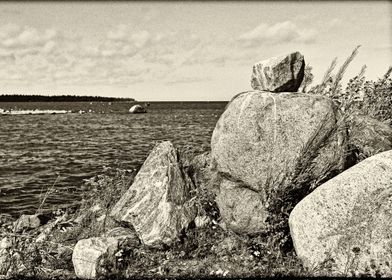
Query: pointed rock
{"points": [[157, 204]]}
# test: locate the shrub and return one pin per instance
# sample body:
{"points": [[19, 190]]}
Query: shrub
{"points": [[361, 96]]}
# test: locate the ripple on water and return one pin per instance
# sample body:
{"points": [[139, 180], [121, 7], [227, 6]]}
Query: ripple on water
{"points": [[36, 149]]}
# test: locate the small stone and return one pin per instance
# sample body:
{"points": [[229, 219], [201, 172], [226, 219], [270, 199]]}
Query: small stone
{"points": [[26, 222], [89, 253], [5, 243], [202, 221]]}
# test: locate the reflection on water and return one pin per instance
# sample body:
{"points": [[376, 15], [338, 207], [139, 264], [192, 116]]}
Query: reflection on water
{"points": [[35, 149]]}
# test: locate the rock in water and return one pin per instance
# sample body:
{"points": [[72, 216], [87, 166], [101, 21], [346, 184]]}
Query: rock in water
{"points": [[137, 109], [279, 74], [157, 202], [262, 139], [345, 224]]}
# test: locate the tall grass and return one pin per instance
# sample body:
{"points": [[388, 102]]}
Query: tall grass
{"points": [[360, 96]]}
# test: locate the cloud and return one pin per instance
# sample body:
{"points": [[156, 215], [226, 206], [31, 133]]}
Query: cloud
{"points": [[13, 36], [10, 12], [335, 22], [187, 80], [279, 33], [123, 56]]}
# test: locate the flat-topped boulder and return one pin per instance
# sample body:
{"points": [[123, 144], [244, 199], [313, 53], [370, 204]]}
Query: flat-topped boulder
{"points": [[343, 228], [157, 204], [279, 74], [263, 138]]}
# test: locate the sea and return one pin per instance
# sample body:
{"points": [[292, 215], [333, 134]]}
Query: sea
{"points": [[61, 150]]}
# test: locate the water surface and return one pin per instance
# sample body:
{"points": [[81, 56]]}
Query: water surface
{"points": [[36, 149]]}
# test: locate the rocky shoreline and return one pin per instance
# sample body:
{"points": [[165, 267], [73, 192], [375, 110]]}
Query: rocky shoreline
{"points": [[294, 185]]}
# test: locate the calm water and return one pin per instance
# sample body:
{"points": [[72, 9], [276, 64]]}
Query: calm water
{"points": [[35, 149]]}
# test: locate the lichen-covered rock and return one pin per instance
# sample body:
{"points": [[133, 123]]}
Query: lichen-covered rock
{"points": [[369, 136], [261, 136], [343, 228], [279, 74], [262, 139], [157, 204], [241, 209], [26, 222], [5, 260], [89, 255]]}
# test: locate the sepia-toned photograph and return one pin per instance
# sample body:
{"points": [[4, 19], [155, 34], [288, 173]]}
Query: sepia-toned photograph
{"points": [[195, 139]]}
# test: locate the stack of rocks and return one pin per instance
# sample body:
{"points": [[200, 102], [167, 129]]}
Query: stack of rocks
{"points": [[262, 137]]}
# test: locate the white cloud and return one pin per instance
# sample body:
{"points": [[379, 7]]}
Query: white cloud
{"points": [[123, 56], [278, 33], [119, 33]]}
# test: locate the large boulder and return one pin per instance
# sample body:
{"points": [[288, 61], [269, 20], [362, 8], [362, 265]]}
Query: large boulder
{"points": [[279, 74], [5, 256], [157, 203], [263, 139], [369, 136], [343, 228]]}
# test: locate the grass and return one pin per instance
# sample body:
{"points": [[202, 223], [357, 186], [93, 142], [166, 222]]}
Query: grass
{"points": [[361, 96], [203, 252]]}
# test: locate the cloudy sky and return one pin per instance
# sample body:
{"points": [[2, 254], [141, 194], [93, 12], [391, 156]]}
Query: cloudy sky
{"points": [[179, 50]]}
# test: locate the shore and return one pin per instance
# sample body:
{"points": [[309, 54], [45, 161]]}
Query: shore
{"points": [[44, 250]]}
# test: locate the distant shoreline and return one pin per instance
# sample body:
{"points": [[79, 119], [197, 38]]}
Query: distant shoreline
{"points": [[61, 98]]}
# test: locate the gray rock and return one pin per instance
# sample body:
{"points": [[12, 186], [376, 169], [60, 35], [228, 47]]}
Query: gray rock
{"points": [[279, 74], [204, 174], [157, 204], [241, 209], [5, 261], [201, 169], [263, 139], [343, 228], [137, 109], [90, 254], [261, 136], [26, 222]]}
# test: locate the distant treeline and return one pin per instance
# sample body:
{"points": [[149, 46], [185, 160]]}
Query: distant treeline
{"points": [[58, 98]]}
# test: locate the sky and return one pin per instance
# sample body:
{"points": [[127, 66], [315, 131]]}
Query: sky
{"points": [[180, 51]]}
